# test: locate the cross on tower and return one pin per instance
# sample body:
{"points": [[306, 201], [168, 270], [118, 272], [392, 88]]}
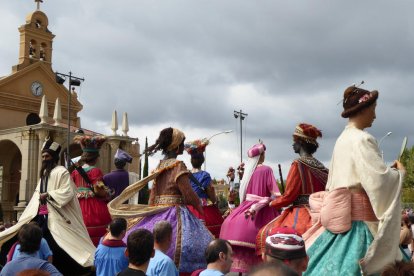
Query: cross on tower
{"points": [[38, 3]]}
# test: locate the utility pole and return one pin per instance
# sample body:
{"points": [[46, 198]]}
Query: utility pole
{"points": [[242, 116], [73, 81]]}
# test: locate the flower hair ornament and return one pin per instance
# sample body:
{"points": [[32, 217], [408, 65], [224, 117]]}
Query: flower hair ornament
{"points": [[197, 146], [90, 143], [354, 92]]}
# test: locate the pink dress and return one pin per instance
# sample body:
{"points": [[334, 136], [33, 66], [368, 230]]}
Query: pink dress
{"points": [[241, 231]]}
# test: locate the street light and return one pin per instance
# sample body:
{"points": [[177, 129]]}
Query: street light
{"points": [[241, 116], [380, 141], [75, 81], [205, 151]]}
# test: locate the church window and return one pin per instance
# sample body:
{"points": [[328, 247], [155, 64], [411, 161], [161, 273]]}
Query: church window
{"points": [[42, 53], [32, 49]]}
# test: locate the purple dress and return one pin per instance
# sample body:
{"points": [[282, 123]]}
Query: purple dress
{"points": [[190, 237], [241, 231]]}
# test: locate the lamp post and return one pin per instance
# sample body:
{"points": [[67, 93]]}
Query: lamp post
{"points": [[205, 151], [380, 141], [75, 81], [241, 116]]}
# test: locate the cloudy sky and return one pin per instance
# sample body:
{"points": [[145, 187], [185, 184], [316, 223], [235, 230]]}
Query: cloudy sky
{"points": [[190, 64]]}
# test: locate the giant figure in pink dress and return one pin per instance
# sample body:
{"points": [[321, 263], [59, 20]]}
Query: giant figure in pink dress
{"points": [[258, 187]]}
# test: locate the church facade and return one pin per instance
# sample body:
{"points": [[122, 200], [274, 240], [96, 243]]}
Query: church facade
{"points": [[34, 107]]}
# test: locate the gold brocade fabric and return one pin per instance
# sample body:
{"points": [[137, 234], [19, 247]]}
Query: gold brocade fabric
{"points": [[168, 200], [170, 184]]}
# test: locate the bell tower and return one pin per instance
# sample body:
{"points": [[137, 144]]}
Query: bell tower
{"points": [[35, 40]]}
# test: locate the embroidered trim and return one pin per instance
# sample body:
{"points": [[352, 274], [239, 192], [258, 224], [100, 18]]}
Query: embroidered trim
{"points": [[245, 244], [312, 162], [83, 192], [166, 165], [177, 256], [168, 200]]}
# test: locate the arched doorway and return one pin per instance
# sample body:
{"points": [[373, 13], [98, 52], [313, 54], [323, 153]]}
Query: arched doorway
{"points": [[11, 165]]}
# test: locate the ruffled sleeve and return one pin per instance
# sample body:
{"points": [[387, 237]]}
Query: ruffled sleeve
{"points": [[184, 185], [292, 191], [379, 181], [95, 176], [383, 187]]}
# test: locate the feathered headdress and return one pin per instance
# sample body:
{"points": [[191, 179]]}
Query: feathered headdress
{"points": [[308, 133], [196, 147], [90, 143]]}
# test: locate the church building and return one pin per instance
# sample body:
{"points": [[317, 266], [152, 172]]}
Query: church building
{"points": [[34, 105]]}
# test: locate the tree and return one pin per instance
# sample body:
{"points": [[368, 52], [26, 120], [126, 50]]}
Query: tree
{"points": [[144, 193], [408, 161], [408, 185]]}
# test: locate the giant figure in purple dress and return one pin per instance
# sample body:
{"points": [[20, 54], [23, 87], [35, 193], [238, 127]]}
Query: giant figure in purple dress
{"points": [[170, 194], [240, 228]]}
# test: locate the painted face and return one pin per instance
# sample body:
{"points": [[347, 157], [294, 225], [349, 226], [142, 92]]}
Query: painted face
{"points": [[296, 147], [46, 156], [180, 149], [369, 115]]}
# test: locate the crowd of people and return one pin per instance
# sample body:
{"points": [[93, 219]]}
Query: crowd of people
{"points": [[345, 220]]}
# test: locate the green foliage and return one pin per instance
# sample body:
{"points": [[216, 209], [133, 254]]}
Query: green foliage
{"points": [[144, 193], [222, 203], [145, 169], [408, 161]]}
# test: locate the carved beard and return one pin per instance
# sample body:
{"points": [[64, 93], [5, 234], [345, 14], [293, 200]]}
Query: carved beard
{"points": [[47, 167]]}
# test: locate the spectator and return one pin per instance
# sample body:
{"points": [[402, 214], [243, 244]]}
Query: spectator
{"points": [[270, 269], [140, 249], [110, 255], [399, 269], [406, 236], [219, 257], [161, 264], [43, 253], [29, 237], [286, 247]]}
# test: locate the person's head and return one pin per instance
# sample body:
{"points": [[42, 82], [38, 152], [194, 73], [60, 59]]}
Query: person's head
{"points": [[287, 246], [359, 105], [119, 163], [197, 160], [304, 138], [170, 140], [271, 269], [29, 237], [257, 150], [50, 157], [399, 268], [90, 147], [140, 247], [118, 227], [220, 254], [405, 220], [162, 235], [121, 158]]}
